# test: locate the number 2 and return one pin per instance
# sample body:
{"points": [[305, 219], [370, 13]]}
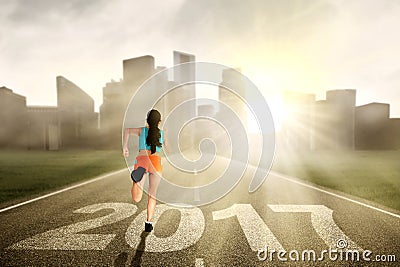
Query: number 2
{"points": [[68, 237]]}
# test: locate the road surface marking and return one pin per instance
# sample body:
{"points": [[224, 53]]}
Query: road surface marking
{"points": [[190, 229], [287, 178], [68, 237], [62, 190], [323, 223], [199, 262], [256, 231]]}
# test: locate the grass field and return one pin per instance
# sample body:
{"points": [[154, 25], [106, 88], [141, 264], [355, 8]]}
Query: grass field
{"points": [[372, 175], [27, 173]]}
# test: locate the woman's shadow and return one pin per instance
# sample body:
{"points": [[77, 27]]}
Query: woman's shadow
{"points": [[122, 258]]}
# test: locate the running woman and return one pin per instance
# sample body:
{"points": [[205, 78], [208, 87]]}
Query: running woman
{"points": [[151, 140]]}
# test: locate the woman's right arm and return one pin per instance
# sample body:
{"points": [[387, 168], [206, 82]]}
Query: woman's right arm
{"points": [[127, 132], [166, 143]]}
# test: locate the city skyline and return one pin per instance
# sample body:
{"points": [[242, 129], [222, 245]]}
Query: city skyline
{"points": [[307, 46]]}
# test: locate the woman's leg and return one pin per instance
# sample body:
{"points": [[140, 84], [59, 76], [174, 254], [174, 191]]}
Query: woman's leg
{"points": [[154, 181], [137, 190]]}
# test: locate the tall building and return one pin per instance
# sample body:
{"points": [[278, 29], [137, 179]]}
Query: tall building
{"points": [[374, 129], [117, 95], [231, 80], [183, 93], [77, 119], [160, 86], [135, 72], [44, 128], [13, 119], [323, 124], [72, 123], [395, 132], [182, 75], [185, 74], [334, 123], [342, 114], [111, 113]]}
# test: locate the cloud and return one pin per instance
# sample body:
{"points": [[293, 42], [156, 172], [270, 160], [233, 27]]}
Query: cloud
{"points": [[83, 40], [25, 11], [306, 44], [238, 20]]}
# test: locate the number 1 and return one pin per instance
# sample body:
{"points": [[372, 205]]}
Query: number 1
{"points": [[257, 233]]}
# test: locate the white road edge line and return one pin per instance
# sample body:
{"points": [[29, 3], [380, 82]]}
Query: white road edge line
{"points": [[62, 190], [284, 177], [279, 175]]}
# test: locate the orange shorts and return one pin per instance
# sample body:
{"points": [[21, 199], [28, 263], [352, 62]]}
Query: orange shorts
{"points": [[151, 163]]}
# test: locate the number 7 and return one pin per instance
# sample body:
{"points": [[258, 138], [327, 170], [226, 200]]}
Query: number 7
{"points": [[322, 221]]}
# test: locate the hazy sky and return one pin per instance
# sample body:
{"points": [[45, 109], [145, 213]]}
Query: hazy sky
{"points": [[307, 45]]}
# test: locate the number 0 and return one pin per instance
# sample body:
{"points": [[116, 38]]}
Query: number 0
{"points": [[190, 229]]}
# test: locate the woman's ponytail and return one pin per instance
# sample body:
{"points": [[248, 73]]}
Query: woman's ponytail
{"points": [[154, 135]]}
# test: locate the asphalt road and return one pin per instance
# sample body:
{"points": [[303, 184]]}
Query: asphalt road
{"points": [[97, 224]]}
